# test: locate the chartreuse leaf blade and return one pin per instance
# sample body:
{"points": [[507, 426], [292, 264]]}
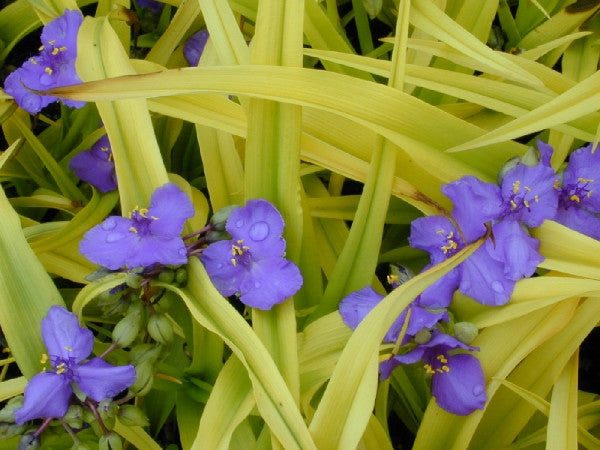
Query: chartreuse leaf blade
{"points": [[12, 387], [274, 400], [224, 32], [138, 162], [230, 402], [137, 436], [26, 292], [351, 391], [562, 420]]}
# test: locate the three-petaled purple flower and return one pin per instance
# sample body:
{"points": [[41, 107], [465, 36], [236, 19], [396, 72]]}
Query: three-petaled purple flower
{"points": [[355, 306], [149, 236], [251, 264], [96, 166], [527, 197], [194, 46], [579, 204], [54, 66], [48, 393], [458, 382]]}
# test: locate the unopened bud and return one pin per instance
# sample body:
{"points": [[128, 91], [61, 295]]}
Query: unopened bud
{"points": [[219, 219], [29, 441], [181, 276], [134, 280], [110, 441], [132, 416], [7, 414], [144, 379], [74, 416], [465, 332], [160, 328], [128, 328], [166, 276], [8, 430], [108, 411], [423, 336], [164, 304]]}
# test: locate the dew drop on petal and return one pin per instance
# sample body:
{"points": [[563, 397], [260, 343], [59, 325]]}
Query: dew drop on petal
{"points": [[478, 389], [257, 284], [109, 224], [259, 231], [239, 223], [497, 287], [114, 237], [183, 252]]}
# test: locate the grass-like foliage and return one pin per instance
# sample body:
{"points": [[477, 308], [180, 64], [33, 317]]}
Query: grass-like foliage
{"points": [[323, 224]]}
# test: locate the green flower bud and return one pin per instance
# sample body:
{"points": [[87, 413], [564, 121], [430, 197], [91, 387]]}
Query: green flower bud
{"points": [[80, 446], [134, 280], [166, 276], [132, 416], [219, 219], [144, 379], [117, 308], [144, 352], [160, 328], [110, 441], [74, 416], [7, 414], [128, 328], [8, 430], [165, 302], [181, 276], [214, 236], [423, 336], [29, 442], [108, 411], [465, 332]]}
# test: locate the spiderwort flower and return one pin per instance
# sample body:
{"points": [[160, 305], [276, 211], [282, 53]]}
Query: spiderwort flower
{"points": [[251, 264], [54, 66], [194, 46], [149, 236], [578, 206], [355, 306], [48, 393], [96, 166], [458, 382]]}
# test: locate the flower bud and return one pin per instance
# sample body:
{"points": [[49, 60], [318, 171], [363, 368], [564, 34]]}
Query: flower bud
{"points": [[465, 332], [8, 430], [219, 219], [160, 328], [181, 276], [144, 352], [165, 302], [7, 414], [214, 236], [166, 276], [128, 328], [132, 416], [423, 336], [29, 441], [144, 379], [134, 280], [108, 412], [110, 441], [74, 416]]}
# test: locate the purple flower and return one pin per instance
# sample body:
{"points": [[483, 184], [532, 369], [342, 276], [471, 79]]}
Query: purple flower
{"points": [[152, 5], [96, 166], [53, 67], [48, 393], [149, 236], [251, 264], [458, 382], [194, 47], [355, 306], [579, 202]]}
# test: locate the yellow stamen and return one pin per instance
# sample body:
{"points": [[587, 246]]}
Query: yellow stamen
{"points": [[234, 262], [556, 184], [575, 198], [62, 49], [61, 368], [393, 279], [133, 230], [55, 51], [536, 198], [516, 186], [104, 149], [32, 61], [442, 359], [429, 369], [445, 368], [69, 349], [48, 70], [526, 203], [52, 42], [513, 205], [589, 194], [527, 188], [44, 359], [41, 48]]}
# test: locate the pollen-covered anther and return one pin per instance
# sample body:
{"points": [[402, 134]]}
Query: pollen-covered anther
{"points": [[61, 368], [536, 198], [526, 203], [556, 184], [133, 230], [55, 51], [428, 369], [49, 70], [32, 61], [513, 205], [393, 279], [69, 349], [234, 261], [442, 359], [575, 198], [44, 358], [516, 186]]}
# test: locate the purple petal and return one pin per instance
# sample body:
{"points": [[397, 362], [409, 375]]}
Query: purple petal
{"points": [[63, 336], [96, 166], [581, 179], [475, 203], [579, 220], [147, 250], [99, 380], [461, 390], [355, 306], [46, 395], [483, 279], [62, 32], [530, 194], [421, 318], [27, 75], [152, 5], [440, 293], [546, 151], [269, 282], [259, 226], [222, 272], [436, 235], [387, 366], [109, 244], [515, 249], [194, 46], [441, 343], [169, 207]]}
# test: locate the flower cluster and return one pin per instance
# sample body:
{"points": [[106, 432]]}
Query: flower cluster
{"points": [[53, 67], [252, 263], [96, 166], [48, 394], [148, 236]]}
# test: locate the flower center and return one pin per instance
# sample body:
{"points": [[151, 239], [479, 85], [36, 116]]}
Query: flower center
{"points": [[573, 194], [140, 222], [522, 197], [450, 245], [240, 252], [439, 364], [62, 366]]}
